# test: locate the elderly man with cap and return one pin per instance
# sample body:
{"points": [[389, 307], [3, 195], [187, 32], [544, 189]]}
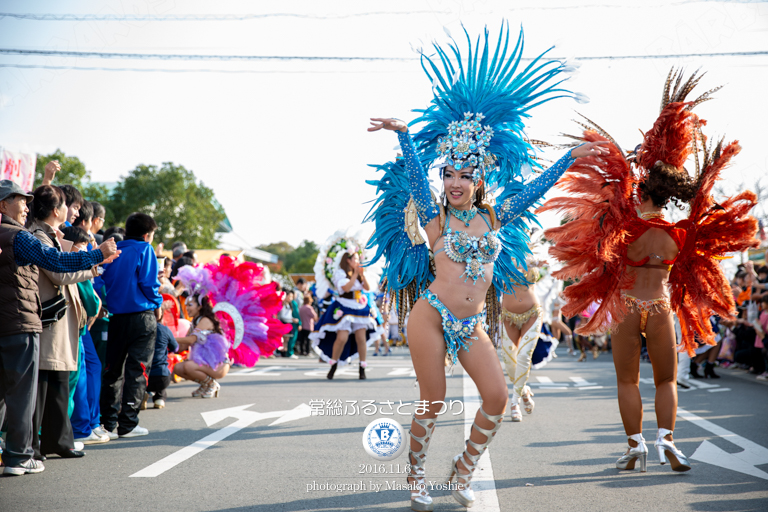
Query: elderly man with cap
{"points": [[20, 322]]}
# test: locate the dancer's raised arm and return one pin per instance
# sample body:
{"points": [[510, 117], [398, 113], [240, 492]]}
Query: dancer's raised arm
{"points": [[512, 206], [417, 177]]}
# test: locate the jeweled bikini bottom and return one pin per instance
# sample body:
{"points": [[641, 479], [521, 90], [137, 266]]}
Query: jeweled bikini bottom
{"points": [[456, 331], [646, 308], [519, 319]]}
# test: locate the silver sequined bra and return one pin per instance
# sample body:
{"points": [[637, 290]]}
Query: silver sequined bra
{"points": [[472, 250]]}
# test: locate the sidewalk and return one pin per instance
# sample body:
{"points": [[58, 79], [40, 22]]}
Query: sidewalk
{"points": [[740, 374]]}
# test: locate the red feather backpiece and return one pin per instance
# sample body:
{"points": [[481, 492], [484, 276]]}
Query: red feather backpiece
{"points": [[592, 243], [670, 139], [698, 285]]}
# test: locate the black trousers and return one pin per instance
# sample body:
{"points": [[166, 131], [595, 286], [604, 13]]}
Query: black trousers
{"points": [[19, 356], [51, 418], [130, 347], [302, 342], [157, 385]]}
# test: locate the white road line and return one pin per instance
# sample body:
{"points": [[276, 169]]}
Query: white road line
{"points": [[483, 482], [590, 387], [244, 419], [402, 372], [702, 385], [752, 454], [718, 390], [544, 380]]}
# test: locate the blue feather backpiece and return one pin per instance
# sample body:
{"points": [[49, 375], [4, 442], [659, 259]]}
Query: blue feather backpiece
{"points": [[408, 269]]}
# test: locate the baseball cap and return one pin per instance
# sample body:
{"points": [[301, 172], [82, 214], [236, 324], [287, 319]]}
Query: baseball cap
{"points": [[9, 188]]}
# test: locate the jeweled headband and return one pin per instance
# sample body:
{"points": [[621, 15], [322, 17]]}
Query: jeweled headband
{"points": [[465, 145]]}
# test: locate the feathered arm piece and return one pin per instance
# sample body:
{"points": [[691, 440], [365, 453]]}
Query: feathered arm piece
{"points": [[417, 179], [513, 205], [397, 238], [515, 248], [592, 243], [699, 288]]}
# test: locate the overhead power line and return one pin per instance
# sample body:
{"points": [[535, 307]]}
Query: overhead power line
{"points": [[246, 17], [204, 17], [166, 56], [192, 70]]}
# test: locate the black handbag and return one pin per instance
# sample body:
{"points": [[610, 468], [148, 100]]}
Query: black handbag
{"points": [[54, 310]]}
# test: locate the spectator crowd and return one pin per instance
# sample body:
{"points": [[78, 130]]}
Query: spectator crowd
{"points": [[94, 323]]}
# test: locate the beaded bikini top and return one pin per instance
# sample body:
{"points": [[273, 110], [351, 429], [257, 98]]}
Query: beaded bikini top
{"points": [[473, 251]]}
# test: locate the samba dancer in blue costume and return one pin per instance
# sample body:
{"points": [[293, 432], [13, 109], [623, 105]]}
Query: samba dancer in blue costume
{"points": [[474, 124]]}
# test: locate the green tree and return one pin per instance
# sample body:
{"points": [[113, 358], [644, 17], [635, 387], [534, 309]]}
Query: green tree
{"points": [[73, 171], [183, 208], [292, 260], [302, 259]]}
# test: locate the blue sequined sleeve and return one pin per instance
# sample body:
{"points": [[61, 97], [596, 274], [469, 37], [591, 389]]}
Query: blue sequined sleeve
{"points": [[512, 207], [417, 178]]}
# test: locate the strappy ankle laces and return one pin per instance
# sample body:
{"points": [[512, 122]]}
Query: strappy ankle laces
{"points": [[420, 498], [462, 490]]}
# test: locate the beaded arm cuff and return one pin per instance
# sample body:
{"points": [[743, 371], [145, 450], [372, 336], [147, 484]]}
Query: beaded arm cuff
{"points": [[512, 207], [422, 196]]}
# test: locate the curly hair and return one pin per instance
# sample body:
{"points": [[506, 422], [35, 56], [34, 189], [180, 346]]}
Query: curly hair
{"points": [[665, 182], [206, 311]]}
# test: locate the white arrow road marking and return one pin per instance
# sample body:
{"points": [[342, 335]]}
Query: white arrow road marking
{"points": [[483, 482], [244, 419], [546, 383], [582, 383], [742, 462], [402, 372]]}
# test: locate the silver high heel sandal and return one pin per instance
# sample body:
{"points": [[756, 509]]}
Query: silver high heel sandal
{"points": [[212, 391], [462, 490], [420, 498], [528, 402], [668, 452], [639, 452], [515, 415], [203, 387]]}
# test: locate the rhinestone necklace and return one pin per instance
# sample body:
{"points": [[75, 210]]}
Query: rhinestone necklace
{"points": [[464, 216]]}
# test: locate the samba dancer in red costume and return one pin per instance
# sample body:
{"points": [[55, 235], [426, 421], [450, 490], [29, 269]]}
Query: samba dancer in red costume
{"points": [[632, 258]]}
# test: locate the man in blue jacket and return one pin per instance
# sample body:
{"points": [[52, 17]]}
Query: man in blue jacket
{"points": [[134, 303]]}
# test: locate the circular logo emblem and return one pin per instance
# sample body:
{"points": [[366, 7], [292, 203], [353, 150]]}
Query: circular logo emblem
{"points": [[384, 439]]}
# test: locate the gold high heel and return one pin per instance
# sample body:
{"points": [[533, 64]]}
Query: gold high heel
{"points": [[639, 452], [462, 490], [420, 499], [668, 452]]}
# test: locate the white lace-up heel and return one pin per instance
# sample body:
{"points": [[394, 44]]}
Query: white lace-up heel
{"points": [[420, 498], [639, 452], [462, 490], [668, 452]]}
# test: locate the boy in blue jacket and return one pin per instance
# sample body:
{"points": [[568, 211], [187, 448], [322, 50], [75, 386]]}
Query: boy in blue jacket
{"points": [[134, 304]]}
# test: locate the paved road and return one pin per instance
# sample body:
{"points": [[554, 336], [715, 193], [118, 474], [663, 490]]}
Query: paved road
{"points": [[559, 458]]}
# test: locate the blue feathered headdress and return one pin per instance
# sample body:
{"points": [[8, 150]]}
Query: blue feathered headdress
{"points": [[476, 116]]}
